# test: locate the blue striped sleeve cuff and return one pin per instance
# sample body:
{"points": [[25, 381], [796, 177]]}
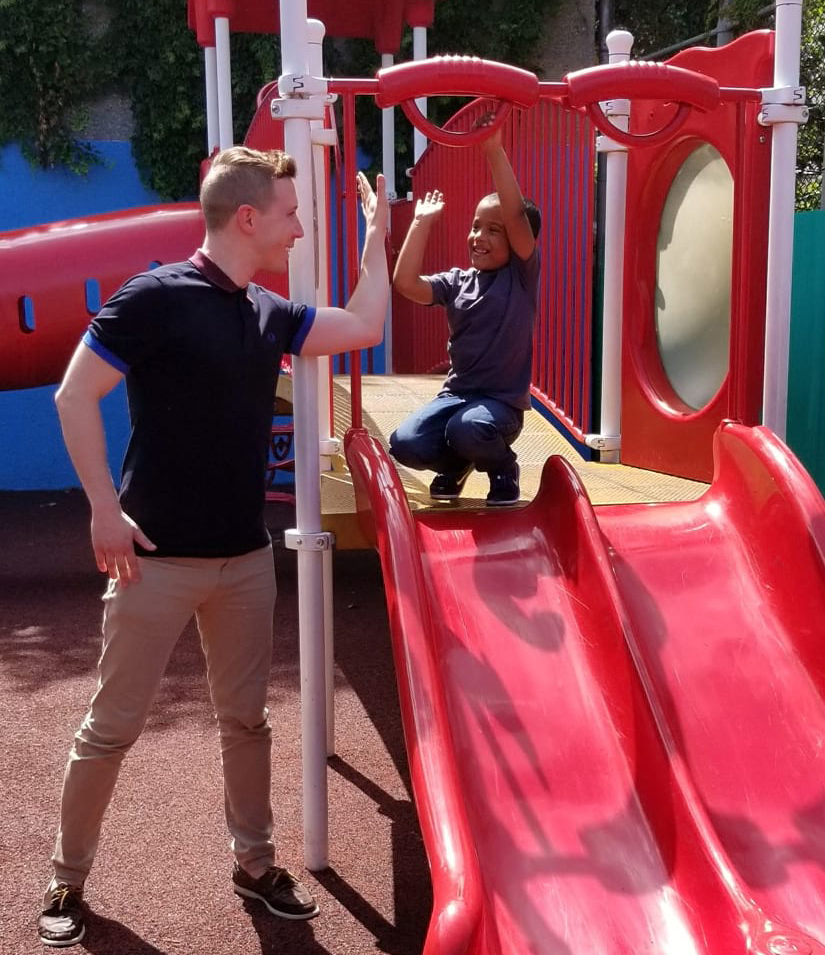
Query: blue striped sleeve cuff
{"points": [[102, 352], [300, 336]]}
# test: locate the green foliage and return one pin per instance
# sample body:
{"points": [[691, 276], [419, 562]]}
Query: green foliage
{"points": [[507, 32], [811, 135], [50, 66], [658, 24], [161, 68]]}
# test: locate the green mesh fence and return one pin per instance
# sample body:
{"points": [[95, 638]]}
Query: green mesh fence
{"points": [[662, 27], [812, 134]]}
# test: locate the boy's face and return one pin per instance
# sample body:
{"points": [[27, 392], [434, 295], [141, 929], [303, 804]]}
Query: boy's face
{"points": [[487, 241]]}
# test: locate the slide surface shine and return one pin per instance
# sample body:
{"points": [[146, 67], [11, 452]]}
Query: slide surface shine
{"points": [[614, 716]]}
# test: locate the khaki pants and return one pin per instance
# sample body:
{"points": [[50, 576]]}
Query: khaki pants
{"points": [[232, 600]]}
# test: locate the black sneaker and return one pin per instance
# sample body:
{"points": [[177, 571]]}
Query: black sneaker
{"points": [[63, 920], [279, 891], [447, 487], [504, 488]]}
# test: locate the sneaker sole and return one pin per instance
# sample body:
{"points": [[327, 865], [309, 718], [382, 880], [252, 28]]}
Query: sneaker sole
{"points": [[56, 943], [445, 497], [294, 916], [515, 500]]}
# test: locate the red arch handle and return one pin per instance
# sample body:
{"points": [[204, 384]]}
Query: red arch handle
{"points": [[456, 76], [658, 136], [450, 137], [640, 80]]}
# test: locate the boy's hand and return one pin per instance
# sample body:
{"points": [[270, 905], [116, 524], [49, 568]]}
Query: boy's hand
{"points": [[494, 140], [430, 207], [374, 205]]}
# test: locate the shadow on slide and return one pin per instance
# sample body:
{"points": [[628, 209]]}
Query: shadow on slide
{"points": [[614, 716]]}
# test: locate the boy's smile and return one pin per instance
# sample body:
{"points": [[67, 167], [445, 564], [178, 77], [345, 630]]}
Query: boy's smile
{"points": [[487, 241]]}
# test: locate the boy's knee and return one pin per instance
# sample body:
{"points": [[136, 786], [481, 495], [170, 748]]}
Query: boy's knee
{"points": [[466, 433], [402, 450]]}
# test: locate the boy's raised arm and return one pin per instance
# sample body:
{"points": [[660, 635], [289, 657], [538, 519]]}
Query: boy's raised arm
{"points": [[407, 277], [519, 233]]}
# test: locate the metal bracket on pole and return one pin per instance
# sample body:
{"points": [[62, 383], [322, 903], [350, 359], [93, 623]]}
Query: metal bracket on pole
{"points": [[296, 540], [297, 108], [301, 84], [783, 104], [329, 446], [606, 145], [615, 107], [620, 109], [603, 442], [323, 137], [773, 113]]}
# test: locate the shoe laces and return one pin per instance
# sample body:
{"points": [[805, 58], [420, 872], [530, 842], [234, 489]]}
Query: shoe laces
{"points": [[64, 894], [280, 875]]}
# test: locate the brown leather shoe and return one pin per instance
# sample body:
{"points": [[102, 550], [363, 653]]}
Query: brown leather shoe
{"points": [[63, 920], [279, 891]]}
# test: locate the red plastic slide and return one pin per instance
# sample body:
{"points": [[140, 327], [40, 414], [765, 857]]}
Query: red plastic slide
{"points": [[614, 716]]}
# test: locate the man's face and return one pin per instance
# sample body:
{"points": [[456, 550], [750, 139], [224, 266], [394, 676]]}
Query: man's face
{"points": [[487, 241], [277, 227]]}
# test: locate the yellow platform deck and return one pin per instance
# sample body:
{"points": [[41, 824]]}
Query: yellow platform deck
{"points": [[389, 398]]}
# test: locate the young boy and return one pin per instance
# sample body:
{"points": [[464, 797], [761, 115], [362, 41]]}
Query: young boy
{"points": [[479, 412]]}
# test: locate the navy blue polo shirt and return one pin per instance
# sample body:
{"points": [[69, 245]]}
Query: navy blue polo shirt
{"points": [[201, 359]]}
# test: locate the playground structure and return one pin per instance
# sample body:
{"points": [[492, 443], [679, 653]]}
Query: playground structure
{"points": [[611, 713]]}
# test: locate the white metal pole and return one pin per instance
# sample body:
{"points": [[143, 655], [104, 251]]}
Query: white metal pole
{"points": [[780, 229], [315, 39], [388, 137], [210, 69], [388, 166], [329, 650], [297, 140], [619, 43], [224, 82], [419, 53], [320, 171]]}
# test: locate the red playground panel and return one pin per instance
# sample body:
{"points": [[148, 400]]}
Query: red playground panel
{"points": [[660, 430]]}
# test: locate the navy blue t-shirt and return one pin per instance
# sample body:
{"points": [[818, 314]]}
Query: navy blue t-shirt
{"points": [[201, 359], [491, 317]]}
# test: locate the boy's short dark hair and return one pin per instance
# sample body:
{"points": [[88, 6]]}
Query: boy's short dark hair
{"points": [[531, 210]]}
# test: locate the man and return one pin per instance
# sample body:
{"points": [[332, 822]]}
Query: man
{"points": [[200, 346]]}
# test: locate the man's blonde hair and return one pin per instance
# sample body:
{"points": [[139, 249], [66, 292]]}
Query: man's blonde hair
{"points": [[241, 176]]}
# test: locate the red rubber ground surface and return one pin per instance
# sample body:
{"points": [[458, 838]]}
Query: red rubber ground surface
{"points": [[161, 880]]}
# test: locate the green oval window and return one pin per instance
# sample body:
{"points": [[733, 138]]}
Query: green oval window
{"points": [[693, 263]]}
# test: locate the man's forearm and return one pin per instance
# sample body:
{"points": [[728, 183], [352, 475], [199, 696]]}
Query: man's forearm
{"points": [[85, 439], [368, 302]]}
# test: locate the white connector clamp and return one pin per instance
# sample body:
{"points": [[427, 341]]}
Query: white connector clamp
{"points": [[603, 442], [295, 107], [329, 446], [296, 540]]}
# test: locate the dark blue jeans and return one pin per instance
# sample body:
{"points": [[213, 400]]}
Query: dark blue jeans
{"points": [[451, 432]]}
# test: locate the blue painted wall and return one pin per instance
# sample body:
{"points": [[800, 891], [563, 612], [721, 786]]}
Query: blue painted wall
{"points": [[32, 196], [32, 454]]}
